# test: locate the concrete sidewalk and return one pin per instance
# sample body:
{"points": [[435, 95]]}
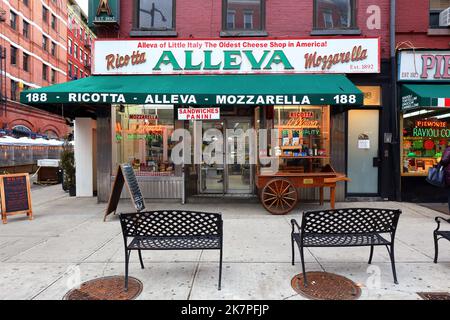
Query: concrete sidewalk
{"points": [[37, 257]]}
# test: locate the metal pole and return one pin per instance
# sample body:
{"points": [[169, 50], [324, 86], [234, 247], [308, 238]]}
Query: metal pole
{"points": [[395, 150]]}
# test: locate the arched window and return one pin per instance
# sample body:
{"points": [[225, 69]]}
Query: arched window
{"points": [[51, 134], [21, 131]]}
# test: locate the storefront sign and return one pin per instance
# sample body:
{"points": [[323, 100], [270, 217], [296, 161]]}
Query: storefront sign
{"points": [[431, 124], [198, 113], [431, 133], [424, 66], [356, 55], [104, 11], [150, 117]]}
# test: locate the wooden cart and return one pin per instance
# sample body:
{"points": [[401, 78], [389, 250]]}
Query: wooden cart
{"points": [[279, 192]]}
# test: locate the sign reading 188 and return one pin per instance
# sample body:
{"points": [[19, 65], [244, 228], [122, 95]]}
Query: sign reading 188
{"points": [[344, 99], [36, 97]]}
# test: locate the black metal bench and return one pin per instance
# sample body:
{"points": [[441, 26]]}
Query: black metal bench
{"points": [[346, 228], [438, 235], [171, 230]]}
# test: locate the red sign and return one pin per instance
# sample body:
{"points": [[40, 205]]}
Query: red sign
{"points": [[431, 124]]}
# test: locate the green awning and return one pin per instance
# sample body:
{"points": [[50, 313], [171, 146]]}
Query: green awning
{"points": [[277, 89], [425, 95]]}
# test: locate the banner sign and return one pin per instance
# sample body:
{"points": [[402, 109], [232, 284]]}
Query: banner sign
{"points": [[198, 113], [322, 55], [424, 66]]}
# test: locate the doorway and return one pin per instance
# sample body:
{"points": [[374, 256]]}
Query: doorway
{"points": [[362, 153], [231, 175]]}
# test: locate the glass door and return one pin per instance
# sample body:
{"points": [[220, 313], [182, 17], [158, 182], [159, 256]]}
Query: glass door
{"points": [[238, 171], [212, 173]]}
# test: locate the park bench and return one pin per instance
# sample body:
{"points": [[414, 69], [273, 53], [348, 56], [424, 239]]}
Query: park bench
{"points": [[171, 230], [438, 235], [346, 228]]}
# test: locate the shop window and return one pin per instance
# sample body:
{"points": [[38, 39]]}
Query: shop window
{"points": [[26, 62], [436, 8], [13, 20], [44, 72], [44, 43], [335, 17], [142, 137], [53, 76], [14, 90], [425, 135], [13, 55], [53, 23], [53, 49], [155, 14], [243, 15], [44, 14], [26, 29], [304, 137]]}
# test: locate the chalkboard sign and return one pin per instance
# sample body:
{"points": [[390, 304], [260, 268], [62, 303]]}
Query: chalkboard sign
{"points": [[15, 195], [125, 174]]}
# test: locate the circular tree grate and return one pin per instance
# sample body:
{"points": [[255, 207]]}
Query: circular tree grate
{"points": [[326, 286], [106, 288]]}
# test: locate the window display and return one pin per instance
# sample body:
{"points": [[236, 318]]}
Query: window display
{"points": [[142, 135], [303, 134], [424, 140]]}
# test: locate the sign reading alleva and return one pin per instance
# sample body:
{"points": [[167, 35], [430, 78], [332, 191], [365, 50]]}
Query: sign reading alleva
{"points": [[354, 55]]}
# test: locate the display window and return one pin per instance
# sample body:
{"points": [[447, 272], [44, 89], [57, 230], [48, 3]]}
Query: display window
{"points": [[142, 136], [426, 134], [304, 137]]}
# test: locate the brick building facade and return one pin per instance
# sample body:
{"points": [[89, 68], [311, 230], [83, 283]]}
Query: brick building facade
{"points": [[79, 42], [33, 34]]}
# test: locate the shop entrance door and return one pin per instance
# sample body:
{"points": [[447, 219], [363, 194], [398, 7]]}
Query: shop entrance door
{"points": [[362, 155], [230, 176]]}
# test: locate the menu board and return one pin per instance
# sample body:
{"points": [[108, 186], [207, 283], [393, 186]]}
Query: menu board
{"points": [[15, 195], [125, 174]]}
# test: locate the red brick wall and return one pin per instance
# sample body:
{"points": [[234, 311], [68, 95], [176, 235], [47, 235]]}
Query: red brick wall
{"points": [[284, 18], [412, 27], [76, 31], [16, 113]]}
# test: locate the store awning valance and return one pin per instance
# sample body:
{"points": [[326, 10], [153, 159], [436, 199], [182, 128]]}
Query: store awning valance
{"points": [[294, 89], [425, 96]]}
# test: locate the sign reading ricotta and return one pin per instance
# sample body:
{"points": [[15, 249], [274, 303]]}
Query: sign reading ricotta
{"points": [[349, 55]]}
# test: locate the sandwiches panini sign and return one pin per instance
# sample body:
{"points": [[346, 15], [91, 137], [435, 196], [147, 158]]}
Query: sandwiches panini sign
{"points": [[356, 55]]}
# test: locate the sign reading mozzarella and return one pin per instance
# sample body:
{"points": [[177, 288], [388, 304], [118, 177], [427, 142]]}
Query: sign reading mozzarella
{"points": [[356, 55], [198, 113]]}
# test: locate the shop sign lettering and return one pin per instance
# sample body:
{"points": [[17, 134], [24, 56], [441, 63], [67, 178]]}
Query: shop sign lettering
{"points": [[431, 124], [431, 133], [424, 65], [198, 113], [358, 55]]}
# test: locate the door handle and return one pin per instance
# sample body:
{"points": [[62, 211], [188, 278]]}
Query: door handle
{"points": [[376, 162]]}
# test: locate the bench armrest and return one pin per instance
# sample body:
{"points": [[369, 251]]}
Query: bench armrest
{"points": [[438, 221], [295, 225]]}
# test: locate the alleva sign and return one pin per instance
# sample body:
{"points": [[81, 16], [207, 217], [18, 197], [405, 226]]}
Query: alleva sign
{"points": [[237, 56]]}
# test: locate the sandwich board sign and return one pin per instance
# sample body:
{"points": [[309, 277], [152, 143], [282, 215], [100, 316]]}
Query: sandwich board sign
{"points": [[15, 195], [125, 176]]}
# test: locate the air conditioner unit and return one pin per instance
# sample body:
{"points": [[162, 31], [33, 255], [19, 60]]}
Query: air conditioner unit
{"points": [[444, 18]]}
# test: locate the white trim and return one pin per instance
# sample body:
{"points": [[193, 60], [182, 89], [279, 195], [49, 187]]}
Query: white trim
{"points": [[8, 75], [31, 22], [441, 102], [54, 13], [31, 54]]}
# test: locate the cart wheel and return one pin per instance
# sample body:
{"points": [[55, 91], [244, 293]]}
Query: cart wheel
{"points": [[279, 196]]}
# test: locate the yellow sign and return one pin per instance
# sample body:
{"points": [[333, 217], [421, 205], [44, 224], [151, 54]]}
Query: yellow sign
{"points": [[308, 181], [372, 95]]}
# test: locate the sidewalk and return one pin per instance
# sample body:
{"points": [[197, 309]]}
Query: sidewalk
{"points": [[68, 233]]}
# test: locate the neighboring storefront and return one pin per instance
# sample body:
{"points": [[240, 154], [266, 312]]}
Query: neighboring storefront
{"points": [[298, 87], [424, 86]]}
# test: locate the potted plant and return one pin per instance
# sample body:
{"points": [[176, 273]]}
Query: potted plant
{"points": [[68, 167]]}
